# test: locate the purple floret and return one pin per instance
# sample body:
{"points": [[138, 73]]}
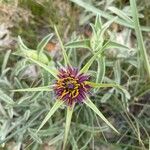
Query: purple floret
{"points": [[71, 86]]}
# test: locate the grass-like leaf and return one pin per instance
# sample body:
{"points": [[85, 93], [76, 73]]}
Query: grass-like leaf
{"points": [[98, 22], [44, 88], [106, 25], [104, 14], [90, 104], [4, 97], [142, 49], [56, 139], [67, 125], [113, 44], [57, 104], [121, 14], [66, 59], [34, 136], [100, 69], [79, 44], [21, 44], [5, 60]]}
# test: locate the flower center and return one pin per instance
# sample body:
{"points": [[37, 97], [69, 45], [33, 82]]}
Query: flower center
{"points": [[70, 86]]}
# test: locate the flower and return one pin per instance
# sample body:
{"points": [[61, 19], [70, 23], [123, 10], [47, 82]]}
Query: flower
{"points": [[71, 86]]}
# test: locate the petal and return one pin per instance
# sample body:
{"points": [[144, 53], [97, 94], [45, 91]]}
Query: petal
{"points": [[83, 78]]}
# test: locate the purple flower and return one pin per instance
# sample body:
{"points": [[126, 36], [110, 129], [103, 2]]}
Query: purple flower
{"points": [[71, 86]]}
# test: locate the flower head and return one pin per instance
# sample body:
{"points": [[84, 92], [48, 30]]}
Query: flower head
{"points": [[71, 86]]}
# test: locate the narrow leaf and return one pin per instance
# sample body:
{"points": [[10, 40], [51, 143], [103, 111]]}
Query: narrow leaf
{"points": [[57, 104], [125, 92], [106, 25], [143, 54], [104, 14], [5, 60], [79, 44], [35, 136], [21, 44], [56, 139], [100, 69], [90, 104], [43, 43], [113, 44], [98, 22], [6, 98], [121, 14]]}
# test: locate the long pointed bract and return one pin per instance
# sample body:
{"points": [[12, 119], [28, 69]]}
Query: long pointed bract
{"points": [[57, 104], [45, 67], [90, 104], [66, 59], [91, 60], [34, 89], [67, 125]]}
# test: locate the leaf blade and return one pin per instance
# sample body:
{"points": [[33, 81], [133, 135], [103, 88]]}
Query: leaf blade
{"points": [[121, 14], [139, 37], [43, 43], [105, 15], [79, 44], [6, 98]]}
